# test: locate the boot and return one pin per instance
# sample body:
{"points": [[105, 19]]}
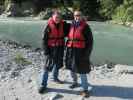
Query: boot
{"points": [[74, 85], [42, 90], [85, 93]]}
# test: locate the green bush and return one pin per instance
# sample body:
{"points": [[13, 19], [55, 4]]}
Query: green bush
{"points": [[76, 4], [124, 12], [121, 14], [107, 8], [19, 59]]}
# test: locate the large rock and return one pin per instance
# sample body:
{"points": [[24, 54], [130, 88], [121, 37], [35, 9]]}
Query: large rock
{"points": [[123, 68], [13, 10], [45, 14], [1, 9], [66, 14], [27, 8]]}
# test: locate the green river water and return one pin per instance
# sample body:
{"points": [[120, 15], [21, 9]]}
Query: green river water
{"points": [[113, 43]]}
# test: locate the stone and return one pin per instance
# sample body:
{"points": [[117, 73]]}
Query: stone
{"points": [[132, 25], [14, 74], [123, 69], [55, 96], [30, 80], [13, 10]]}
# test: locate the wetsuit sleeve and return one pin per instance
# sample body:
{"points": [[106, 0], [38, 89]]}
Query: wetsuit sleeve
{"points": [[45, 41], [88, 38]]}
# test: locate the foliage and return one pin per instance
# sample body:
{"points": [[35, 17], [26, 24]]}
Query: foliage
{"points": [[107, 8], [19, 59], [124, 12], [121, 10], [89, 7]]}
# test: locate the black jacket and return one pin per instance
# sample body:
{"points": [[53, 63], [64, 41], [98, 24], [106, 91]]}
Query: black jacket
{"points": [[78, 59], [54, 55]]}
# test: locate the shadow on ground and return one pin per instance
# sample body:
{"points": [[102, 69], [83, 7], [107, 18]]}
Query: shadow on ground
{"points": [[113, 91], [101, 91]]}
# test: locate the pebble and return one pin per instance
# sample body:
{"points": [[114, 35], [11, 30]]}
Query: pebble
{"points": [[9, 69], [55, 96], [8, 51]]}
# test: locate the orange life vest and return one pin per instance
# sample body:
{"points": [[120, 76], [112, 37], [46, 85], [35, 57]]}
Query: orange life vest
{"points": [[55, 36], [75, 36]]}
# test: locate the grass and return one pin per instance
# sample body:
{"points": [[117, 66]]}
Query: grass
{"points": [[19, 59]]}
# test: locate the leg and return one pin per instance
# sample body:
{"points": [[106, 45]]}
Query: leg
{"points": [[73, 74], [45, 78], [84, 84], [74, 79], [55, 73], [43, 87], [84, 81]]}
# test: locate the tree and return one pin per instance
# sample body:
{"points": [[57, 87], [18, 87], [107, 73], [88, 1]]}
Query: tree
{"points": [[107, 8], [89, 8], [124, 12]]}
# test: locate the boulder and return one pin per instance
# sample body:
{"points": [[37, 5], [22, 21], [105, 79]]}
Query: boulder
{"points": [[66, 14], [13, 10], [123, 68]]}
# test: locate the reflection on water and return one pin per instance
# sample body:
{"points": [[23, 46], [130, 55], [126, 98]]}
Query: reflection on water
{"points": [[111, 42]]}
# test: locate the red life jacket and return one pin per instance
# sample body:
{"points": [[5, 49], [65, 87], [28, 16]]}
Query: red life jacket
{"points": [[75, 36], [55, 36]]}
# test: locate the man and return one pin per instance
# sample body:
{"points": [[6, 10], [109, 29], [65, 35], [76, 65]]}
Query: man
{"points": [[79, 46], [53, 45]]}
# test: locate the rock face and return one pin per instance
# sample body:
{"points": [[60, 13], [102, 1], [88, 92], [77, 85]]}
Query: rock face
{"points": [[18, 10], [66, 14], [44, 14], [123, 69], [13, 10], [14, 58], [1, 9], [27, 8]]}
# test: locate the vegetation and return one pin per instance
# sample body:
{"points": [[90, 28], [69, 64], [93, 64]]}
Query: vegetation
{"points": [[19, 59], [124, 12], [120, 10]]}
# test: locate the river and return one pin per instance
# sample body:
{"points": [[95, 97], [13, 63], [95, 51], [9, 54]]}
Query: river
{"points": [[113, 43]]}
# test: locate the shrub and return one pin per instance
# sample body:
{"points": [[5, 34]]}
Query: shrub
{"points": [[19, 59]]}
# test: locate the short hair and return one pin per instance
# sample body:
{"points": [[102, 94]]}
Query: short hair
{"points": [[56, 12]]}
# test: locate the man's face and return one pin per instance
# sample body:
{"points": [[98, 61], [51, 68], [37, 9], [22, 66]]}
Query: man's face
{"points": [[56, 18], [77, 15]]}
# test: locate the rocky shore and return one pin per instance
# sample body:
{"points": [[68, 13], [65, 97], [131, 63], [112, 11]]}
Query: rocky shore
{"points": [[21, 68], [128, 24]]}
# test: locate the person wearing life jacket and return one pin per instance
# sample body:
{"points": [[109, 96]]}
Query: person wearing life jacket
{"points": [[53, 45], [79, 46]]}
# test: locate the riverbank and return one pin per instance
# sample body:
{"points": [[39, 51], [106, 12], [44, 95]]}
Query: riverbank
{"points": [[21, 67], [128, 24]]}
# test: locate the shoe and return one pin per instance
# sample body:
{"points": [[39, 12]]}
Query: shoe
{"points": [[85, 93], [74, 85], [58, 81], [42, 89]]}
